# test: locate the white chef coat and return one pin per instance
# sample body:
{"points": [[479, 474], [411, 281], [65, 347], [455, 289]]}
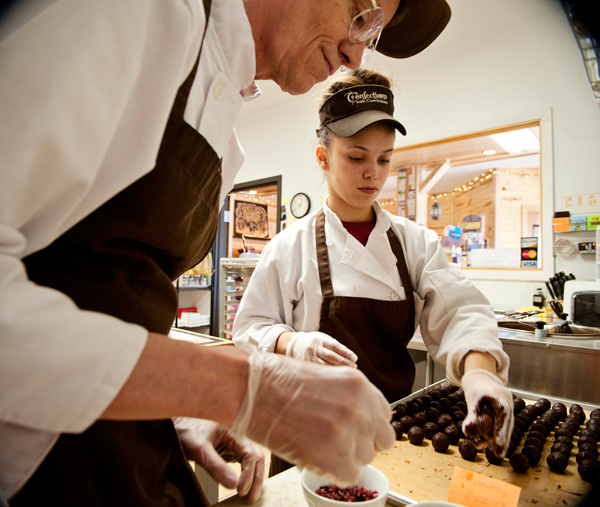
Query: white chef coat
{"points": [[85, 93], [284, 292]]}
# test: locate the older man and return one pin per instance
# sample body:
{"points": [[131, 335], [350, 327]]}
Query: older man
{"points": [[116, 149]]}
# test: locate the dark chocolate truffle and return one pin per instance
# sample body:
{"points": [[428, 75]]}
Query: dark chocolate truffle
{"points": [[457, 416], [564, 440], [399, 412], [408, 422], [561, 408], [562, 448], [446, 390], [426, 400], [595, 413], [445, 403], [463, 406], [519, 405], [536, 434], [519, 462], [430, 429], [586, 439], [564, 432], [589, 447], [532, 453], [435, 394], [557, 462], [420, 419], [525, 418], [454, 398], [535, 442], [398, 428], [467, 450], [453, 434], [545, 403], [588, 433], [415, 435], [540, 428], [491, 456], [432, 414], [440, 442], [443, 421], [588, 470], [581, 455], [437, 405], [519, 424], [412, 408]]}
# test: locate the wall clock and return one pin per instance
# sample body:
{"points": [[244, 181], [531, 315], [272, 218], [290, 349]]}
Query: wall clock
{"points": [[300, 205]]}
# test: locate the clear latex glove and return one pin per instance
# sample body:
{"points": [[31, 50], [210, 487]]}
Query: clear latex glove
{"points": [[328, 420], [204, 442], [320, 348], [490, 418]]}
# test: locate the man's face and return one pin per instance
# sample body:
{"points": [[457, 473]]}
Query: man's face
{"points": [[310, 42]]}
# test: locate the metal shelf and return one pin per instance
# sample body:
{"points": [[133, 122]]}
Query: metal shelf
{"points": [[234, 275]]}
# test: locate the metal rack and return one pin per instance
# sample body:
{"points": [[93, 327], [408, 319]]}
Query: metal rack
{"points": [[234, 275]]}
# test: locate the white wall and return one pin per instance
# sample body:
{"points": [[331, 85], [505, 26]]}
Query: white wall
{"points": [[496, 59]]}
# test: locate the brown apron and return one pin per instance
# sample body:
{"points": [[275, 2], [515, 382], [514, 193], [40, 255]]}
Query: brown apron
{"points": [[377, 331], [121, 260]]}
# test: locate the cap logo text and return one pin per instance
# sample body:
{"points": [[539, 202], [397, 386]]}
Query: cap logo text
{"points": [[366, 97]]}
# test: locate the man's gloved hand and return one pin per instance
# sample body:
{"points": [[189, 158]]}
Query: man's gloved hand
{"points": [[329, 420], [320, 348], [203, 440], [490, 418]]}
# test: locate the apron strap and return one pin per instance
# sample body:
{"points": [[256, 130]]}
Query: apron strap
{"points": [[323, 256], [401, 263], [186, 86]]}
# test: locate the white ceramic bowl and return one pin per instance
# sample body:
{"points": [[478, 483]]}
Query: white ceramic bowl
{"points": [[370, 478]]}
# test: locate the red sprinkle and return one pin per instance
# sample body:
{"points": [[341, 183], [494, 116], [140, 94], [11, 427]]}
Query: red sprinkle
{"points": [[350, 494]]}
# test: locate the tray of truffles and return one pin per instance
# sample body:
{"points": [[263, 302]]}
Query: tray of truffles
{"points": [[553, 455]]}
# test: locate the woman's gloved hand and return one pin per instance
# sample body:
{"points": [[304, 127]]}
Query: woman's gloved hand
{"points": [[329, 420], [204, 442], [490, 418], [320, 348]]}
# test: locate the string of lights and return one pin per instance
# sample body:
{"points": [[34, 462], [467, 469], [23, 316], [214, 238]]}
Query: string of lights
{"points": [[485, 176]]}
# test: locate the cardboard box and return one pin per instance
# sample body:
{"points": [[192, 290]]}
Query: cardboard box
{"points": [[593, 222], [561, 224], [579, 223], [579, 219]]}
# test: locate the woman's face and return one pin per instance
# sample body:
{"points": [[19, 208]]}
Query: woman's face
{"points": [[357, 168]]}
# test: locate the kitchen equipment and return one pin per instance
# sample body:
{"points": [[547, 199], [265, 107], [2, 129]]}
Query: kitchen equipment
{"points": [[582, 302], [370, 478]]}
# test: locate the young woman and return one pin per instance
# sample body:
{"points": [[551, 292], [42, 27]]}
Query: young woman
{"points": [[348, 284]]}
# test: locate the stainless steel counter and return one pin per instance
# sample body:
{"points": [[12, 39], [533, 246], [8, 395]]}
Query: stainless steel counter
{"points": [[560, 367]]}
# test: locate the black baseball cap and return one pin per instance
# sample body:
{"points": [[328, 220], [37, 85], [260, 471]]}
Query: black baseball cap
{"points": [[415, 25], [350, 110]]}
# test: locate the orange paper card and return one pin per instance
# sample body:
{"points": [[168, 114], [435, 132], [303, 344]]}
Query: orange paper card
{"points": [[475, 490]]}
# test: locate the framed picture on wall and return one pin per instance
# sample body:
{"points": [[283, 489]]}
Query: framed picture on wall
{"points": [[251, 219]]}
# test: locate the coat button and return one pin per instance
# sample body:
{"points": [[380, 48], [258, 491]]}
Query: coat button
{"points": [[219, 91], [394, 296]]}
